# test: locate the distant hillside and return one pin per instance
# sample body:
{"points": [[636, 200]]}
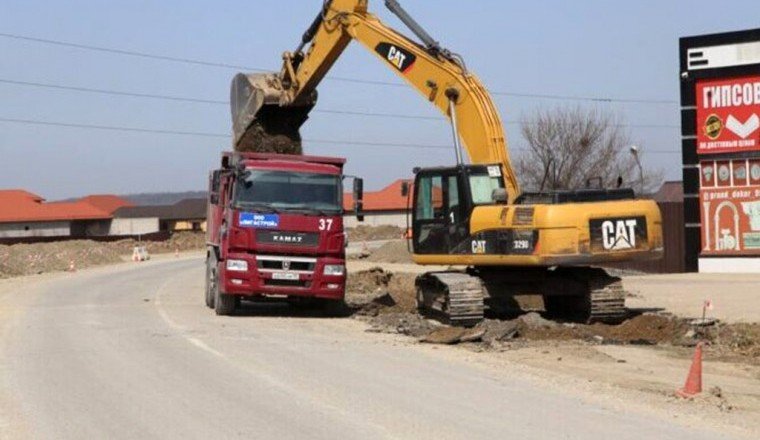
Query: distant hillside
{"points": [[167, 198]]}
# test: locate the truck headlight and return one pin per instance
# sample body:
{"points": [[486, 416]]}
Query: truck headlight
{"points": [[334, 269], [237, 265]]}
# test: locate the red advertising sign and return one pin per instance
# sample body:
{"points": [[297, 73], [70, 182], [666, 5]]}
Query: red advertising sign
{"points": [[730, 207], [728, 115]]}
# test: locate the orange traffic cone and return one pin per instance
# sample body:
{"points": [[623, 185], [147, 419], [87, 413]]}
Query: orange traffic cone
{"points": [[693, 384]]}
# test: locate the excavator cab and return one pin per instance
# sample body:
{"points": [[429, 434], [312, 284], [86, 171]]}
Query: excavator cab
{"points": [[444, 199]]}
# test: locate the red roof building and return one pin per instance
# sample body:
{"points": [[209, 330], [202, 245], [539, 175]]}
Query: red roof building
{"points": [[388, 199], [22, 206], [24, 215]]}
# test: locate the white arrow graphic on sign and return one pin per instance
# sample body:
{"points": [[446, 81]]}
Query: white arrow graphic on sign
{"points": [[745, 129]]}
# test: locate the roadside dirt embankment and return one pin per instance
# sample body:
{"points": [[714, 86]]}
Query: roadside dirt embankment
{"points": [[38, 258]]}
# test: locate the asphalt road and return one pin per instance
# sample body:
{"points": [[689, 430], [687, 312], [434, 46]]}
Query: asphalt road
{"points": [[131, 352]]}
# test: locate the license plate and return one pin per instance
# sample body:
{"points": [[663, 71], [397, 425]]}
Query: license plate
{"points": [[285, 276]]}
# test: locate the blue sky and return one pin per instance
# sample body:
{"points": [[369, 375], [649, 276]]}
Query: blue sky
{"points": [[610, 49]]}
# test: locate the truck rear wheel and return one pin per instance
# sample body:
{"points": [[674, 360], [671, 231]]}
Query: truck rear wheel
{"points": [[224, 305]]}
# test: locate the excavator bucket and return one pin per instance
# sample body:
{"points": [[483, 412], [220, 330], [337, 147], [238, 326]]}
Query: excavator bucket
{"points": [[260, 121]]}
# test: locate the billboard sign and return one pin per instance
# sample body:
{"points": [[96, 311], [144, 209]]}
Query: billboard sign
{"points": [[730, 207], [728, 115]]}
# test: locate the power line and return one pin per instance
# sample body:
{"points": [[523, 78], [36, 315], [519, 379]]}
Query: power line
{"points": [[192, 100], [111, 127], [220, 102], [198, 62], [128, 52], [111, 92], [219, 135], [203, 134]]}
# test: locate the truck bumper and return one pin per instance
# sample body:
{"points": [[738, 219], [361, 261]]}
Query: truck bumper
{"points": [[265, 276]]}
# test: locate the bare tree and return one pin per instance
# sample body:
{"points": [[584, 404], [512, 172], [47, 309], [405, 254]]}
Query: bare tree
{"points": [[576, 148]]}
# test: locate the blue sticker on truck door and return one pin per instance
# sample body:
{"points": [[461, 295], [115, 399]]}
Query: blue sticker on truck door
{"points": [[253, 220]]}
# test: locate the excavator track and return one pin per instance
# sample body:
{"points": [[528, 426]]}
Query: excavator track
{"points": [[596, 297], [606, 298], [456, 297]]}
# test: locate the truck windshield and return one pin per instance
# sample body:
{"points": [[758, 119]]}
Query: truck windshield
{"points": [[286, 190]]}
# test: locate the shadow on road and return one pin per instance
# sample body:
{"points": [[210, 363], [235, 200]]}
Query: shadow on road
{"points": [[294, 310]]}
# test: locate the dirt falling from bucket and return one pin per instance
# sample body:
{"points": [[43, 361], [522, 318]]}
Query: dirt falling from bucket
{"points": [[259, 140]]}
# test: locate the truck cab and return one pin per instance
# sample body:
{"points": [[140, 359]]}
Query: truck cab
{"points": [[275, 230]]}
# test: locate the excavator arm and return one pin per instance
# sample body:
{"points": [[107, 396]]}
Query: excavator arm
{"points": [[269, 108]]}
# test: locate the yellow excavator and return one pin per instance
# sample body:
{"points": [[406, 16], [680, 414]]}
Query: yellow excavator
{"points": [[471, 214]]}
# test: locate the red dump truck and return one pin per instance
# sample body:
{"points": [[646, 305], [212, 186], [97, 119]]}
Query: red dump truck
{"points": [[275, 230]]}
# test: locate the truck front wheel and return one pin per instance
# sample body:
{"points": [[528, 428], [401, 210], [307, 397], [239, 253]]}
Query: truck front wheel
{"points": [[224, 305], [210, 280]]}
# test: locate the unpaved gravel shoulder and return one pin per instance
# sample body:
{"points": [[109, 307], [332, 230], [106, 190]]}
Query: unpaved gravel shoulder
{"points": [[644, 384], [734, 296], [640, 362]]}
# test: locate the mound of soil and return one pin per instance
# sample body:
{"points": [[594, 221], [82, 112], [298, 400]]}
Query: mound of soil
{"points": [[387, 300], [370, 233], [182, 241], [376, 291], [36, 258], [270, 135], [29, 259], [391, 252], [404, 323], [740, 339], [647, 329]]}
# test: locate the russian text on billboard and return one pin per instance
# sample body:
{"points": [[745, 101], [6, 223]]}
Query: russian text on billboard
{"points": [[728, 115]]}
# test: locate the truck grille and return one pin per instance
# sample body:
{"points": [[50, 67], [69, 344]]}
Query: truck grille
{"points": [[288, 283], [285, 264]]}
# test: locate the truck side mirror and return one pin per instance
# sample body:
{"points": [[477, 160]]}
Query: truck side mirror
{"points": [[359, 198], [404, 189], [499, 195]]}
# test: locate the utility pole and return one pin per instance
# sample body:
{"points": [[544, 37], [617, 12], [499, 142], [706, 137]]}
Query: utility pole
{"points": [[635, 153]]}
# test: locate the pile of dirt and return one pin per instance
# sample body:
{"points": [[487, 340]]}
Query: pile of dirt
{"points": [[371, 233], [643, 329], [387, 301], [29, 259], [182, 241], [740, 340], [391, 252], [274, 136], [179, 241], [375, 291], [404, 323], [36, 258], [367, 282]]}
